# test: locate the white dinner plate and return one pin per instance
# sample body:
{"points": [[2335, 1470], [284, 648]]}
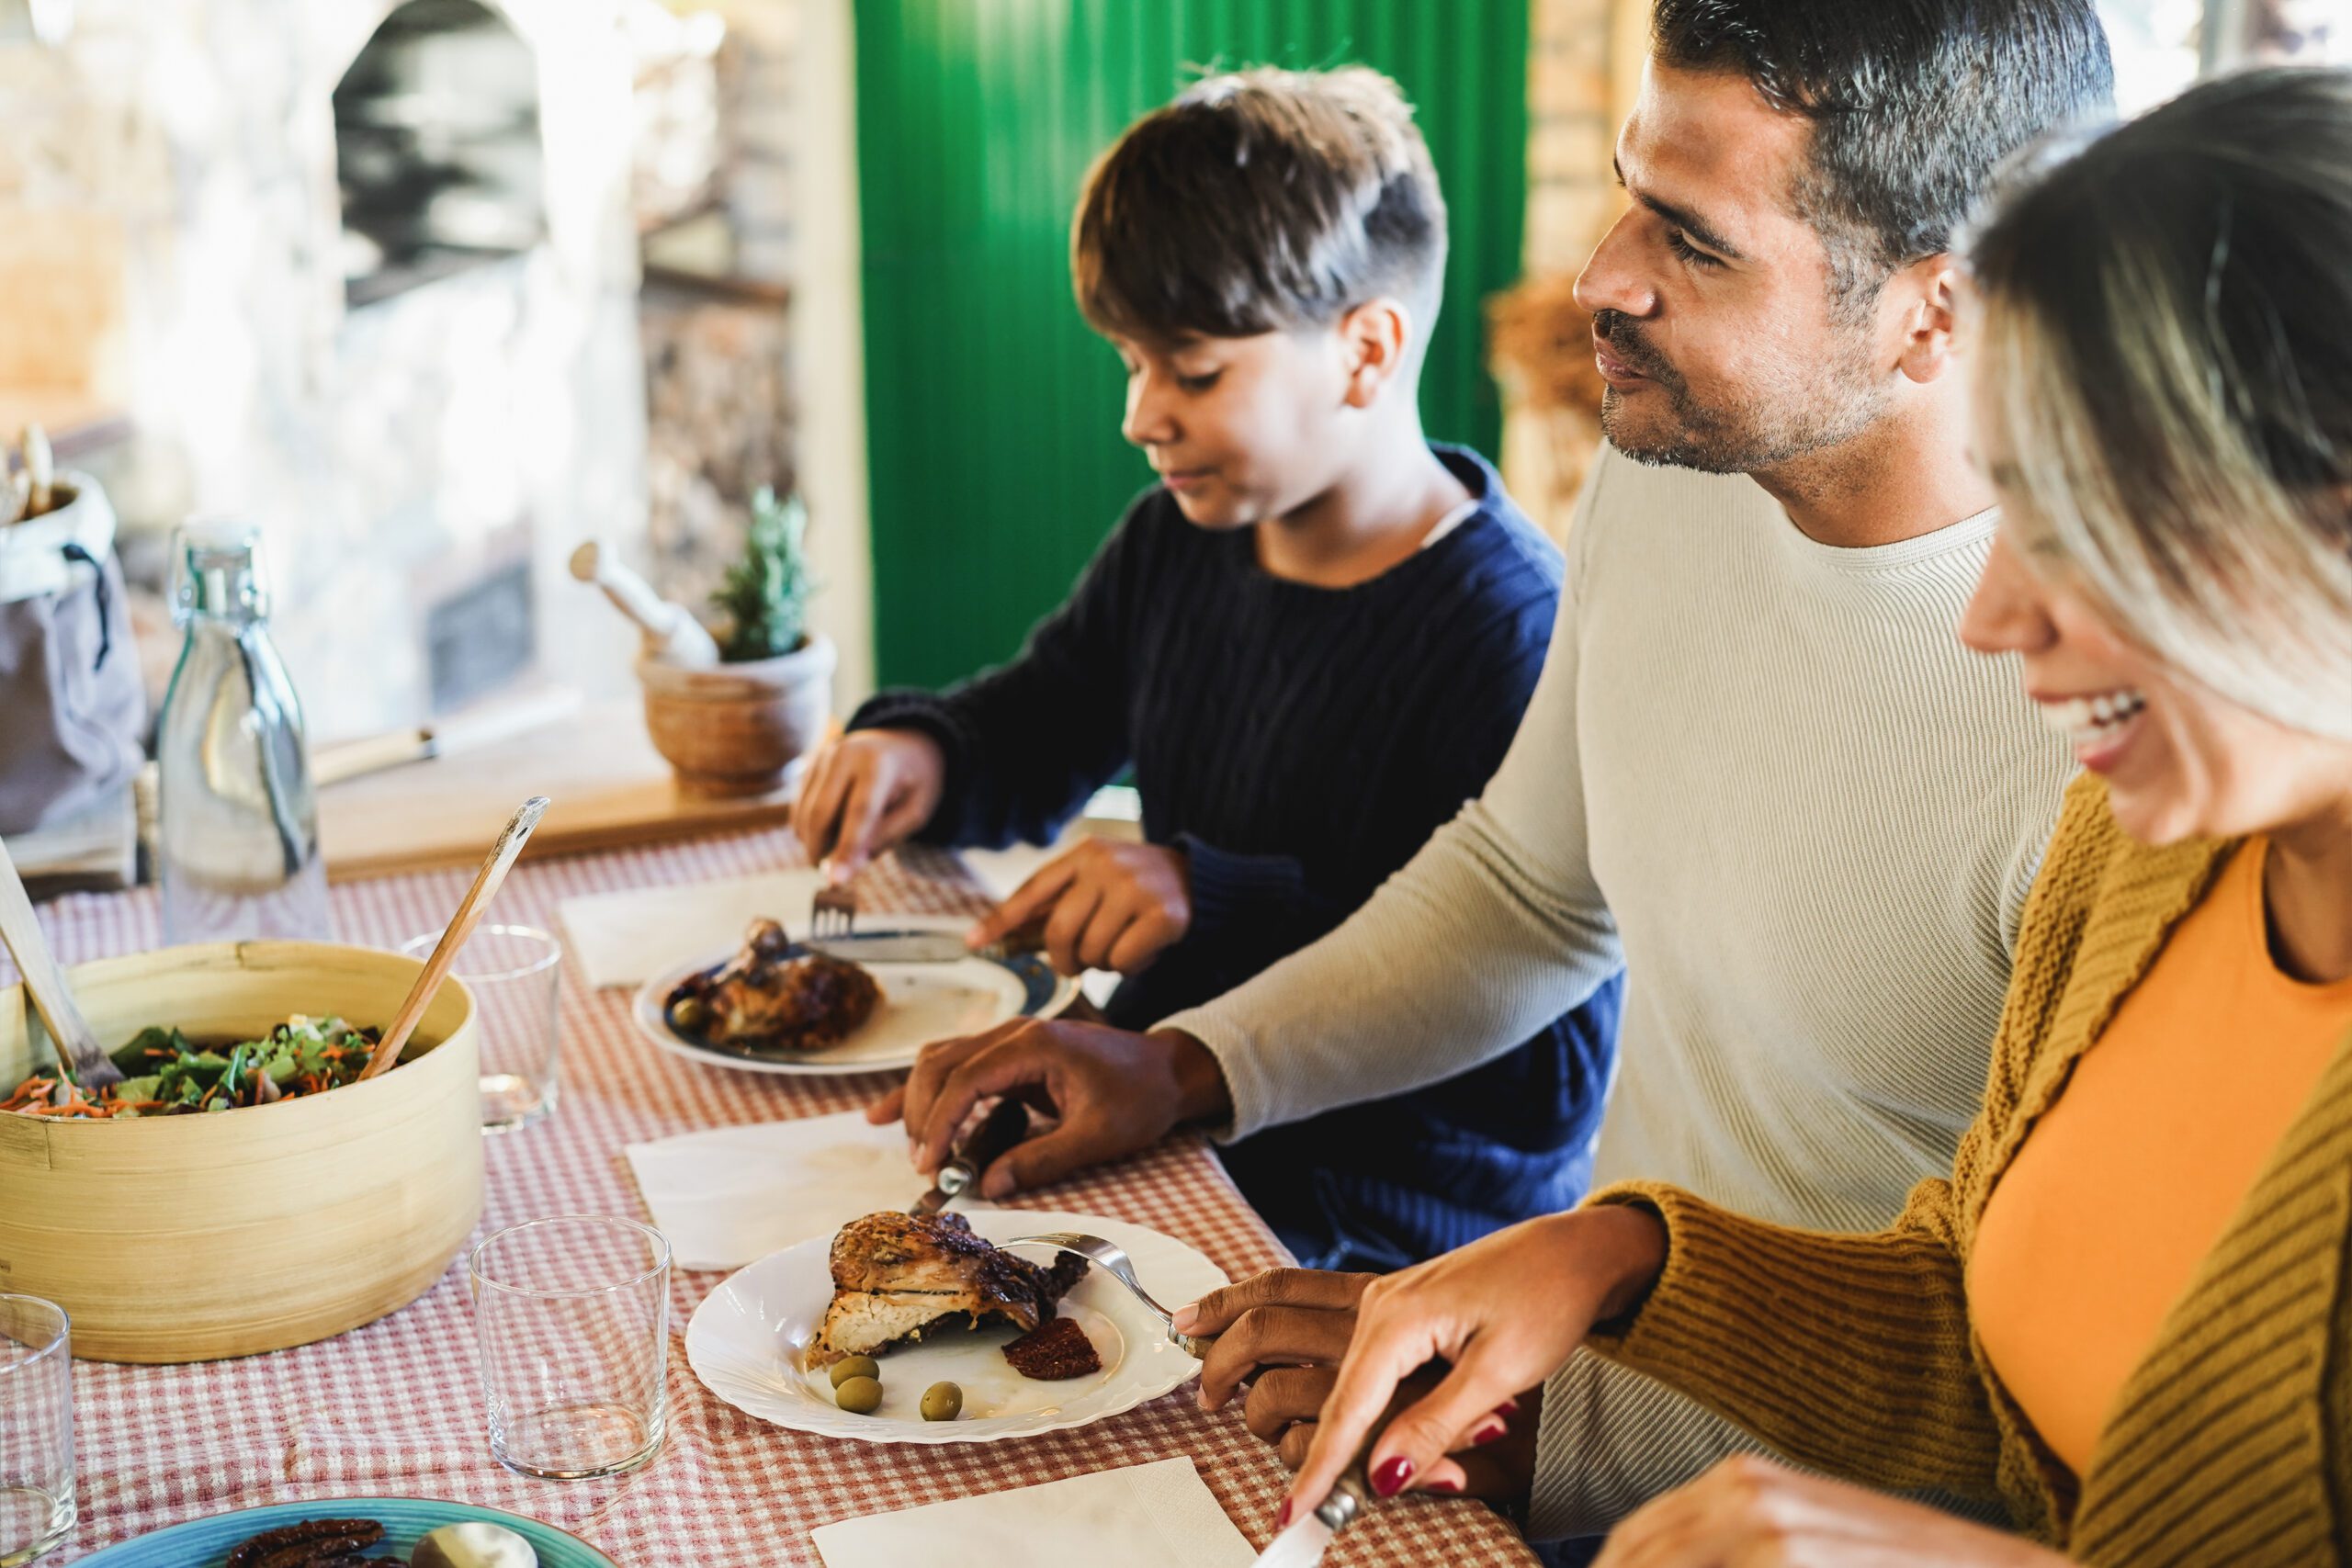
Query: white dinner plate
{"points": [[746, 1341], [920, 1003]]}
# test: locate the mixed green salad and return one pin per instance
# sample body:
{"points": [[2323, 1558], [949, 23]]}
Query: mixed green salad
{"points": [[166, 1074]]}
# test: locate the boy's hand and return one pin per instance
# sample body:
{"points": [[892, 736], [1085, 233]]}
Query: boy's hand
{"points": [[865, 792], [1114, 1093], [1105, 905]]}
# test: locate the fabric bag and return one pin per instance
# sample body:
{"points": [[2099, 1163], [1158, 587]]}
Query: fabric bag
{"points": [[73, 713]]}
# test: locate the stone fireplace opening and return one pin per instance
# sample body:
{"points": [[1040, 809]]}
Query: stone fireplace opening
{"points": [[438, 155], [432, 291]]}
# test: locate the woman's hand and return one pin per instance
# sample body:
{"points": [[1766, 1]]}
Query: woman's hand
{"points": [[1506, 1312], [865, 792], [1751, 1513], [1282, 1334], [1103, 904]]}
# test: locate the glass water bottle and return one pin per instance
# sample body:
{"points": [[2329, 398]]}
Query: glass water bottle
{"points": [[237, 849]]}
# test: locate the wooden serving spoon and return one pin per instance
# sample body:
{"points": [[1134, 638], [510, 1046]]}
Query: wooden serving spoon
{"points": [[20, 929], [461, 926]]}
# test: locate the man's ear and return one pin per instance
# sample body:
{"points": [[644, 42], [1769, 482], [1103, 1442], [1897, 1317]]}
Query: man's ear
{"points": [[1929, 289], [1375, 337]]}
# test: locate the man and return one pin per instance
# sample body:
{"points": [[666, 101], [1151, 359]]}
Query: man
{"points": [[1758, 758]]}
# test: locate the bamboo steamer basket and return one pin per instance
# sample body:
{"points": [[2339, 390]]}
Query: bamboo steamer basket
{"points": [[190, 1238]]}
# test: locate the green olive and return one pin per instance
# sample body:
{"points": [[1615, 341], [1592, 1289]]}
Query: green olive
{"points": [[692, 1014], [942, 1402], [859, 1396], [851, 1367]]}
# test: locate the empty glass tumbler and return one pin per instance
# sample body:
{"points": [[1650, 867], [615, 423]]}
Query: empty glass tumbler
{"points": [[36, 1428], [515, 975], [572, 1314]]}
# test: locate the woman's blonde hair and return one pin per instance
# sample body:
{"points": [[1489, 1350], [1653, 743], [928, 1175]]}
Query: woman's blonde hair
{"points": [[2167, 327]]}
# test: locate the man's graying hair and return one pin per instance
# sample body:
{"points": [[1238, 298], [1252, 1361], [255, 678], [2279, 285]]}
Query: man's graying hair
{"points": [[2167, 370], [1915, 104]]}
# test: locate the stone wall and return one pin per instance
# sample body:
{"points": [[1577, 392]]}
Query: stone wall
{"points": [[400, 457]]}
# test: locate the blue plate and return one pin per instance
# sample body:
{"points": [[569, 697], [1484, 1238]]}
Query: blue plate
{"points": [[205, 1543]]}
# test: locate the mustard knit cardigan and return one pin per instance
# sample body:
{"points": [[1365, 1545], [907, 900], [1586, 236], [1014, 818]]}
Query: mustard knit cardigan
{"points": [[2232, 1442]]}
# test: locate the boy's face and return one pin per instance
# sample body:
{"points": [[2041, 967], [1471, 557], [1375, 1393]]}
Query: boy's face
{"points": [[1715, 319], [1242, 430]]}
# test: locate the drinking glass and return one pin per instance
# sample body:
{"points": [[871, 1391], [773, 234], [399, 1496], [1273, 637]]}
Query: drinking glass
{"points": [[572, 1314], [36, 1428], [515, 974]]}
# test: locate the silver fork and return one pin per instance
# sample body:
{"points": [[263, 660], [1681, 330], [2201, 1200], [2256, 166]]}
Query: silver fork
{"points": [[1349, 1495], [1112, 1260], [833, 912]]}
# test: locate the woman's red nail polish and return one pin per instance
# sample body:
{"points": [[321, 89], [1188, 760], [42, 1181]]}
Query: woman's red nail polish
{"points": [[1446, 1484], [1508, 1408], [1281, 1515], [1390, 1478], [1489, 1433]]}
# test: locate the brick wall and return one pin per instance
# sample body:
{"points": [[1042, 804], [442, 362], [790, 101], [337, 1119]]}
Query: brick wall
{"points": [[1572, 129], [1582, 61]]}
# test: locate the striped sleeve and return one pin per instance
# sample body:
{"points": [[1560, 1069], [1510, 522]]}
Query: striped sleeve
{"points": [[1846, 1353]]}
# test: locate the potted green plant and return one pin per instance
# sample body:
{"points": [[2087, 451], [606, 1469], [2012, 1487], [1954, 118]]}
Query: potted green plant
{"points": [[739, 728]]}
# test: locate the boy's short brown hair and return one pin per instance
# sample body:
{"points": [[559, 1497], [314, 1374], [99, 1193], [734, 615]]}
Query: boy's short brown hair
{"points": [[1260, 202]]}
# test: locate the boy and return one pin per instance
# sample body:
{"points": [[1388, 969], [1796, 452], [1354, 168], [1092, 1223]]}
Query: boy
{"points": [[1312, 641]]}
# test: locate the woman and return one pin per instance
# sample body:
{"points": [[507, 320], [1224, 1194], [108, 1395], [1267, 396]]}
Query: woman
{"points": [[2125, 1316]]}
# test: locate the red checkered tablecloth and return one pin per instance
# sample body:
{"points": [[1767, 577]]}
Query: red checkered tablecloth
{"points": [[394, 1408]]}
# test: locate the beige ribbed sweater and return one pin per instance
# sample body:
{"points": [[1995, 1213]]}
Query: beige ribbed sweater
{"points": [[1768, 769], [2232, 1442]]}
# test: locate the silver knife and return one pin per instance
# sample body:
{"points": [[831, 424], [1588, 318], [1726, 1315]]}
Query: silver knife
{"points": [[1003, 1126], [893, 947]]}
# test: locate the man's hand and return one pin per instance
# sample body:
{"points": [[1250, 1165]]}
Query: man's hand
{"points": [[1114, 1092], [1499, 1465], [1292, 1318], [1104, 904], [1749, 1510], [1502, 1314], [865, 792]]}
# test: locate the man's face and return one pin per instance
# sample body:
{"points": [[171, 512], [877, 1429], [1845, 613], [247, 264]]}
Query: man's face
{"points": [[1715, 324], [1241, 430]]}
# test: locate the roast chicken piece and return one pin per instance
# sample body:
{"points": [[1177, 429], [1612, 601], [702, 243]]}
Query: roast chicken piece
{"points": [[897, 1277], [770, 997]]}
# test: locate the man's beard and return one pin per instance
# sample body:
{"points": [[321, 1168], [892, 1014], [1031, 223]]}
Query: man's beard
{"points": [[1786, 413]]}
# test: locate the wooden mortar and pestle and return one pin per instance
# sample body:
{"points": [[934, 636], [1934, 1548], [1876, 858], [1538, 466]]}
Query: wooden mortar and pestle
{"points": [[731, 721]]}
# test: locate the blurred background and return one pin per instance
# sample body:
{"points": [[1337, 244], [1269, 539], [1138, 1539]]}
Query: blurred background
{"points": [[434, 291]]}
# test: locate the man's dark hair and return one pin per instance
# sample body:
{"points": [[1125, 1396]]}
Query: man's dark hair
{"points": [[1915, 104], [1260, 201]]}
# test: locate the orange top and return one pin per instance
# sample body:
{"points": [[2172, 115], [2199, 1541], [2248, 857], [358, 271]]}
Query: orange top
{"points": [[2127, 1183]]}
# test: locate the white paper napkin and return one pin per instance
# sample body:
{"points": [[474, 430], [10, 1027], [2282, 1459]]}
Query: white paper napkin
{"points": [[625, 939], [730, 1195], [1146, 1516]]}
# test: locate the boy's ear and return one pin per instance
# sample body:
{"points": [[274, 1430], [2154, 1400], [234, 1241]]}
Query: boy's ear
{"points": [[1930, 316], [1377, 336]]}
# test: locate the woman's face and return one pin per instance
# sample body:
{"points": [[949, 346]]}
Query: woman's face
{"points": [[2180, 761]]}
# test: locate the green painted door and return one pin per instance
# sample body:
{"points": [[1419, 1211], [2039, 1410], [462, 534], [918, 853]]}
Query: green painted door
{"points": [[993, 413]]}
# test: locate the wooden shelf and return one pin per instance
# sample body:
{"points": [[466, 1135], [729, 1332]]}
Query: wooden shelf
{"points": [[610, 790]]}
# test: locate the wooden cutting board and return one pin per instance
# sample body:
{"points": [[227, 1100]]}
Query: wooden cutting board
{"points": [[611, 789]]}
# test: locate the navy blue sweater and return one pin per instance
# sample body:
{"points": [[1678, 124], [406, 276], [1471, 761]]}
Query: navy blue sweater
{"points": [[1299, 743]]}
